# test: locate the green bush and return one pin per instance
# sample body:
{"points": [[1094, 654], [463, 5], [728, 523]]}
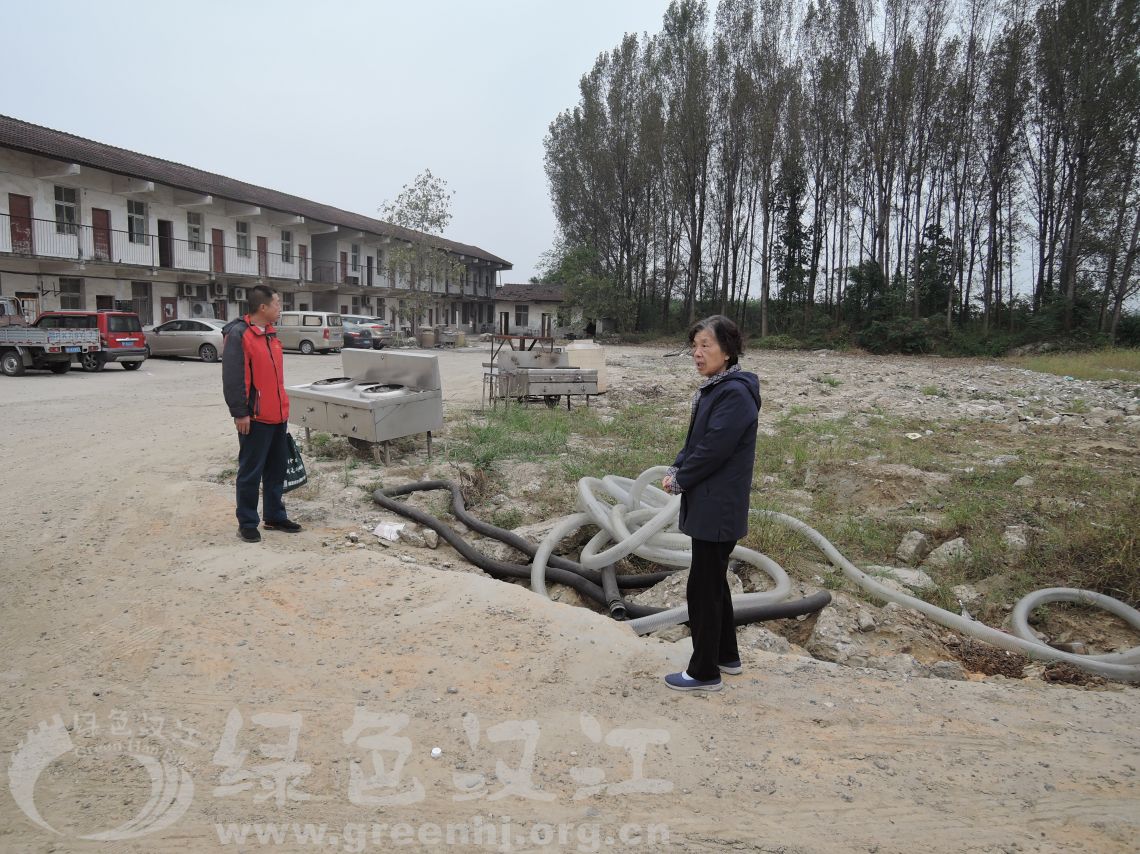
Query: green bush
{"points": [[776, 342], [897, 336]]}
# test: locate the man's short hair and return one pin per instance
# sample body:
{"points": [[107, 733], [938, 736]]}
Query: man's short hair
{"points": [[260, 295]]}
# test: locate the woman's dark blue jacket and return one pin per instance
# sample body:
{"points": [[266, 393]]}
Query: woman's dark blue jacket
{"points": [[714, 469]]}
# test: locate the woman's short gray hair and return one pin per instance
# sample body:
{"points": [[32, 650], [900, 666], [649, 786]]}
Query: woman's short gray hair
{"points": [[727, 335]]}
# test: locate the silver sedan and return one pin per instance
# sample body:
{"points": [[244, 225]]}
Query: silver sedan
{"points": [[199, 339]]}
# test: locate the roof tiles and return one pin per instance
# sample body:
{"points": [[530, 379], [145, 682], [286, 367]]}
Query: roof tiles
{"points": [[46, 142]]}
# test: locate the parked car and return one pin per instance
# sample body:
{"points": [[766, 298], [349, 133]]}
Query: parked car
{"points": [[357, 336], [120, 333], [198, 339], [310, 330], [381, 329]]}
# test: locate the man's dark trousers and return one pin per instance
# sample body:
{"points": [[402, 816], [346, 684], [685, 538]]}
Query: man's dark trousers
{"points": [[261, 463]]}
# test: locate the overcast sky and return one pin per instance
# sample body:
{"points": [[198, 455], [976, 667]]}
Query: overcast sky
{"points": [[340, 102]]}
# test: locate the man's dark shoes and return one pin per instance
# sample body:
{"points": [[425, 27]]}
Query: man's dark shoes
{"points": [[250, 535], [286, 525]]}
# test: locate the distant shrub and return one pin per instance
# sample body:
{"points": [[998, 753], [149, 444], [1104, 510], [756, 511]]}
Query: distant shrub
{"points": [[897, 336], [776, 342]]}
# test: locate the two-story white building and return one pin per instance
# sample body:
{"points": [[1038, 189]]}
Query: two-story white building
{"points": [[85, 225]]}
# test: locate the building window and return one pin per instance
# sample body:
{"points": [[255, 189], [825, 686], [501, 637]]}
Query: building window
{"points": [[194, 231], [286, 301], [136, 221], [243, 239], [355, 257], [287, 247], [66, 210], [70, 293], [522, 315], [355, 306]]}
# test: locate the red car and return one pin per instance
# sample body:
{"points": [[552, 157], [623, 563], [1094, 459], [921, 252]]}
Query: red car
{"points": [[120, 332]]}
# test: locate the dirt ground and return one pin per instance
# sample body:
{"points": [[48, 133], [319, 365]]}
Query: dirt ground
{"points": [[165, 687]]}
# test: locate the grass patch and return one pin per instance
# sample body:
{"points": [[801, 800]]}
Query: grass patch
{"points": [[1110, 363], [829, 381], [513, 432], [836, 474], [508, 519], [1081, 511], [636, 438]]}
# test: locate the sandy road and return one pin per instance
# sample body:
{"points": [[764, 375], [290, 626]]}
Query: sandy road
{"points": [[127, 599]]}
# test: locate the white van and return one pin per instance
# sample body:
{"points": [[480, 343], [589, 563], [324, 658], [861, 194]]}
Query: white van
{"points": [[310, 330]]}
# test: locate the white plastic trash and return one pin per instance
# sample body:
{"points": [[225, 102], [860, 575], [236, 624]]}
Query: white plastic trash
{"points": [[588, 354], [387, 531]]}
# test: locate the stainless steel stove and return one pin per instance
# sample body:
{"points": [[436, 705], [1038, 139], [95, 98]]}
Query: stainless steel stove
{"points": [[527, 375], [385, 395]]}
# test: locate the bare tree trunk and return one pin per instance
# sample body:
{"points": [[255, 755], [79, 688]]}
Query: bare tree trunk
{"points": [[1126, 274], [1071, 251]]}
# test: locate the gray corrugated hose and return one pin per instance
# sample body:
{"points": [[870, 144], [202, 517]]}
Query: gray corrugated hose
{"points": [[643, 521], [1122, 666], [652, 514]]}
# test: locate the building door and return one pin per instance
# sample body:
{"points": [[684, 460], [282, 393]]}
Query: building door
{"points": [[101, 233], [504, 323], [343, 267], [165, 243], [169, 308], [140, 301], [262, 258], [303, 261], [217, 246], [220, 310], [20, 222], [368, 273], [104, 302]]}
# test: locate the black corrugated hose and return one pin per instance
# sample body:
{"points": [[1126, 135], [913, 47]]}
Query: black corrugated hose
{"points": [[602, 587]]}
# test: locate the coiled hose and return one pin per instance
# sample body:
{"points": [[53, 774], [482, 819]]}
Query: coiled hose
{"points": [[642, 521], [651, 513], [599, 582]]}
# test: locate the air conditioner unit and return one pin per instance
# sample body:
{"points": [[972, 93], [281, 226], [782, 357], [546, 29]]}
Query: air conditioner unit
{"points": [[185, 290], [217, 289], [239, 294]]}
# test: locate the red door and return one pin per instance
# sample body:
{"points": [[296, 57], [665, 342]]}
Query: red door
{"points": [[263, 257], [101, 233], [218, 245], [20, 210], [169, 308], [303, 260], [343, 266]]}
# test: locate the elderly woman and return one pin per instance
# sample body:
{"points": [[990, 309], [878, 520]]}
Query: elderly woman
{"points": [[713, 475]]}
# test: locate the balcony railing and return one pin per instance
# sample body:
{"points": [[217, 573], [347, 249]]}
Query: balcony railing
{"points": [[49, 239], [43, 238]]}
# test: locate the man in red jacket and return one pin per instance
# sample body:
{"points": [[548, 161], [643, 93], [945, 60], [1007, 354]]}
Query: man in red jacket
{"points": [[253, 380]]}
